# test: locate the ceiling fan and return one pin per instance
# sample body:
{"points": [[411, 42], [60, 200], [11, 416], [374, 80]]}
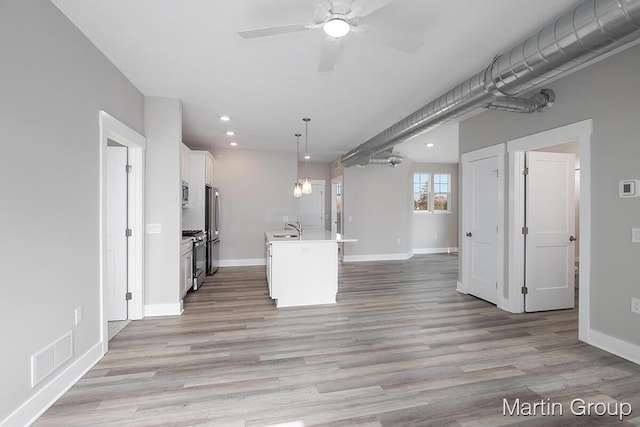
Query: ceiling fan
{"points": [[338, 18]]}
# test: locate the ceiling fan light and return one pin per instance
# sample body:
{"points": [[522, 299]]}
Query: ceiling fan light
{"points": [[336, 27]]}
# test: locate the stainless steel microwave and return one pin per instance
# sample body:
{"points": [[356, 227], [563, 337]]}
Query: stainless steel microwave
{"points": [[185, 194]]}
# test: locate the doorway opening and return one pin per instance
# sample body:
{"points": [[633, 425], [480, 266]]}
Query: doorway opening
{"points": [[573, 138], [121, 144]]}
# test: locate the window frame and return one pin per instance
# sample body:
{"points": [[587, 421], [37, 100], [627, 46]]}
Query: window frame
{"points": [[431, 193]]}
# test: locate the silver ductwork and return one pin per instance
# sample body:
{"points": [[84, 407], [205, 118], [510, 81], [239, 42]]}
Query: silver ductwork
{"points": [[392, 160], [589, 30]]}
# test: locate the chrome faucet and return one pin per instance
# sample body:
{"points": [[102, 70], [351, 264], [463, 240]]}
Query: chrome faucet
{"points": [[296, 226]]}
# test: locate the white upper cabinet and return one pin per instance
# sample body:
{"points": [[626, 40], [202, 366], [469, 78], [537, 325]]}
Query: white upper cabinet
{"points": [[209, 169], [185, 163]]}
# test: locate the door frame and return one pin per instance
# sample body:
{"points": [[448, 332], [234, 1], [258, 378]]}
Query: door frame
{"points": [[113, 129], [497, 151], [334, 203], [580, 132]]}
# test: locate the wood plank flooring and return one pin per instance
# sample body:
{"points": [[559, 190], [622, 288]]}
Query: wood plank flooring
{"points": [[401, 348]]}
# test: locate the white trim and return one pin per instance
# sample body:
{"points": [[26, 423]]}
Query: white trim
{"points": [[581, 132], [483, 153], [434, 250], [377, 257], [156, 310], [242, 262], [42, 400], [515, 267], [614, 345], [113, 129], [461, 288]]}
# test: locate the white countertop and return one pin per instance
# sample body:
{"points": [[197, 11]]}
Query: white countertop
{"points": [[307, 236]]}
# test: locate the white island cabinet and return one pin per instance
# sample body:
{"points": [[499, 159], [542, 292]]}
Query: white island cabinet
{"points": [[302, 270]]}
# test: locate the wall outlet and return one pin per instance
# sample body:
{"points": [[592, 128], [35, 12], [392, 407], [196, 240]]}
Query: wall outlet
{"points": [[635, 305], [398, 240], [79, 315], [285, 218]]}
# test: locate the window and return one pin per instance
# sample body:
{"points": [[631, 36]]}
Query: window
{"points": [[421, 191], [431, 192], [441, 192]]}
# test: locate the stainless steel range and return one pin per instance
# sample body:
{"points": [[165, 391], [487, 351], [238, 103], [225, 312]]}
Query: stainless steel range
{"points": [[199, 255]]}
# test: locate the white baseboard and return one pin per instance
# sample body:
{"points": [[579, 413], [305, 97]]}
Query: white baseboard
{"points": [[155, 310], [35, 406], [379, 257], [614, 345], [434, 250], [242, 262], [460, 288]]}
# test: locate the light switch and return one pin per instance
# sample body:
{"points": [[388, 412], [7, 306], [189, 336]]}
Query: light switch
{"points": [[635, 235], [153, 228]]}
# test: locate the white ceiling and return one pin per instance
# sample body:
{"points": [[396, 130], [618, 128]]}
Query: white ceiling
{"points": [[190, 49]]}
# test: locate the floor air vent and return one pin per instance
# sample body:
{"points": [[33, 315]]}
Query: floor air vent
{"points": [[50, 358]]}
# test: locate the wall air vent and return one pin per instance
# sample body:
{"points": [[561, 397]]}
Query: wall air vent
{"points": [[50, 358]]}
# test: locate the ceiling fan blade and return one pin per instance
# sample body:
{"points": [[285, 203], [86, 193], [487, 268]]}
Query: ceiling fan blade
{"points": [[390, 39], [369, 6], [272, 31], [329, 54]]}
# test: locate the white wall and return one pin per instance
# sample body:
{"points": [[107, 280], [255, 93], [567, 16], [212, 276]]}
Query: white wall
{"points": [[163, 129], [256, 191], [434, 232], [53, 82], [608, 93], [378, 205], [320, 171]]}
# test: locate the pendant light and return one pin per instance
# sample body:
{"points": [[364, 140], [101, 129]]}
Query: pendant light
{"points": [[306, 181], [297, 187]]}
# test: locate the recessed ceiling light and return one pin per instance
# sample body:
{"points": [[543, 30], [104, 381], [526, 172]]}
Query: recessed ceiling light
{"points": [[429, 145], [225, 118], [233, 144], [230, 133]]}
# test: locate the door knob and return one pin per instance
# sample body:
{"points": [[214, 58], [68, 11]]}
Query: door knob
{"points": [[572, 239], [469, 234]]}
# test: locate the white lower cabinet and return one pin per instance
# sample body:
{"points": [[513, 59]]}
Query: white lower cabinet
{"points": [[186, 267], [303, 273]]}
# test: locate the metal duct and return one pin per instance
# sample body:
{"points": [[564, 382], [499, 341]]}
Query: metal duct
{"points": [[589, 30], [541, 101], [392, 160]]}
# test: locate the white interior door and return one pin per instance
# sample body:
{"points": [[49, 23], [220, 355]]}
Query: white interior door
{"points": [[481, 198], [116, 240], [550, 241], [311, 208], [336, 205]]}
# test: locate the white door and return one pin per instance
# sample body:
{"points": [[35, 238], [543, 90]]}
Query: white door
{"points": [[311, 208], [481, 198], [336, 205], [550, 241], [116, 240]]}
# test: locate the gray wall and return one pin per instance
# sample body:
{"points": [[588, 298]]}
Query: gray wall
{"points": [[378, 200], [163, 129], [53, 82], [256, 191], [607, 92], [433, 231]]}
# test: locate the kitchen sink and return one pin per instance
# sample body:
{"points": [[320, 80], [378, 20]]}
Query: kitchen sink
{"points": [[286, 236]]}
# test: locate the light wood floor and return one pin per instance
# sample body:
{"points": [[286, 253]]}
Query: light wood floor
{"points": [[400, 348]]}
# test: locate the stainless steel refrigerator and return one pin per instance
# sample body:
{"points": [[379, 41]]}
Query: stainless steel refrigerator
{"points": [[212, 227]]}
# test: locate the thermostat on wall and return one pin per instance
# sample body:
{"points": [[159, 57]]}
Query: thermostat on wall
{"points": [[630, 188]]}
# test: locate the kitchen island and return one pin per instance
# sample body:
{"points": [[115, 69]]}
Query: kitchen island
{"points": [[302, 269]]}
